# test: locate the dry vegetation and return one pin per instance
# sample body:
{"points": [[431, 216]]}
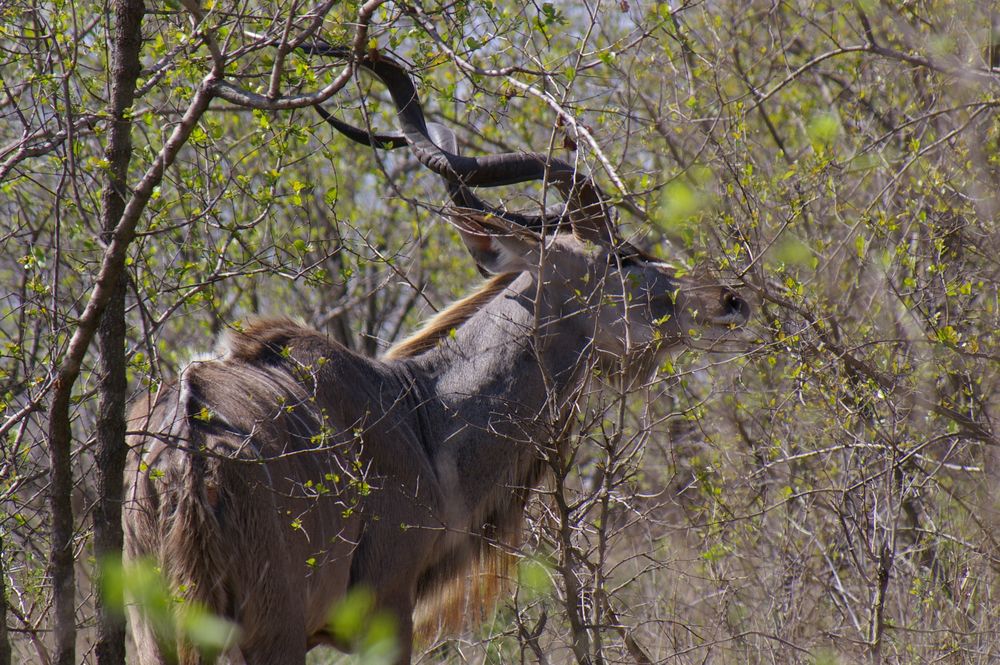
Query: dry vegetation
{"points": [[825, 492]]}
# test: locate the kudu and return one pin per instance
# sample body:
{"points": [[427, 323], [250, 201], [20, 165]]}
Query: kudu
{"points": [[277, 475]]}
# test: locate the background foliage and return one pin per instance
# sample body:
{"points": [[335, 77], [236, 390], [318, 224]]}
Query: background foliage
{"points": [[826, 494]]}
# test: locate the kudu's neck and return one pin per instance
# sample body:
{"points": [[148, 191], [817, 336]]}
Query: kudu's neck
{"points": [[502, 385], [518, 359]]}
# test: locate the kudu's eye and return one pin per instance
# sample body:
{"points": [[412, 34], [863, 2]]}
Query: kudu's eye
{"points": [[623, 258], [732, 304]]}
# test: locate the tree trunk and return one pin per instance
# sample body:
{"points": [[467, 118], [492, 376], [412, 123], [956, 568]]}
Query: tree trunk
{"points": [[126, 44], [61, 529], [5, 653]]}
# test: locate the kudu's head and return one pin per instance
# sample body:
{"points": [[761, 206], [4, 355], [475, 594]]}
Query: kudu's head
{"points": [[633, 305]]}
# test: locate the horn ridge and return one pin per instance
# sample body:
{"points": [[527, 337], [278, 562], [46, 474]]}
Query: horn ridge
{"points": [[587, 205]]}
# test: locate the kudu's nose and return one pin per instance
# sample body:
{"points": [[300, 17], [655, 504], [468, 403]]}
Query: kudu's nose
{"points": [[734, 308]]}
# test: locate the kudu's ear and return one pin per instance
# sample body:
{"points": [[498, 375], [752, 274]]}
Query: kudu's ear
{"points": [[592, 224], [496, 245]]}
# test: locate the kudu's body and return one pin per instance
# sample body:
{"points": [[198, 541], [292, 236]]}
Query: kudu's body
{"points": [[273, 478]]}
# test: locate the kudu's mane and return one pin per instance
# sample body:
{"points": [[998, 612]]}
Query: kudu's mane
{"points": [[262, 340], [441, 324]]}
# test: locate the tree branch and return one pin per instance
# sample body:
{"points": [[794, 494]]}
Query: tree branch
{"points": [[59, 432]]}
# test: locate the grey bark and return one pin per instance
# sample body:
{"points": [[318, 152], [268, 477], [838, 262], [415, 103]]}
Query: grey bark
{"points": [[61, 527], [5, 652], [126, 44]]}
